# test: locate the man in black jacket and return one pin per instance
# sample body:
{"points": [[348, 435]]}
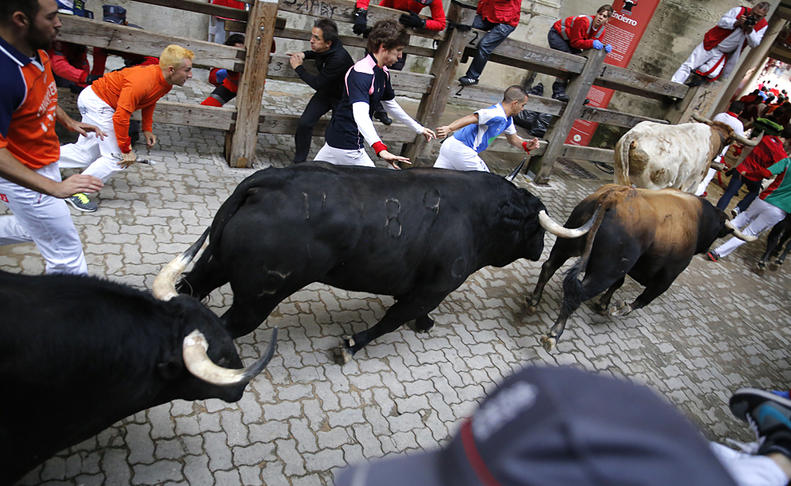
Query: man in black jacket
{"points": [[332, 62]]}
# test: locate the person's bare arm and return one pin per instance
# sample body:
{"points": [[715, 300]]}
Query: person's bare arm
{"points": [[77, 126], [445, 131]]}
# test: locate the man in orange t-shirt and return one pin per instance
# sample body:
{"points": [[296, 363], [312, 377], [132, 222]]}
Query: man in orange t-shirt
{"points": [[30, 183], [108, 103]]}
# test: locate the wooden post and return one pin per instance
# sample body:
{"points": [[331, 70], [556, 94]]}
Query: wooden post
{"points": [[446, 60], [577, 90], [258, 40]]}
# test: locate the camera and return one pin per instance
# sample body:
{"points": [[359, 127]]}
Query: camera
{"points": [[750, 21]]}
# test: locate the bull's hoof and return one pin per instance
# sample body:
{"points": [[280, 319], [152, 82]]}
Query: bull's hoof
{"points": [[622, 310], [548, 342], [600, 309], [760, 268], [423, 324], [343, 353], [532, 307], [775, 265]]}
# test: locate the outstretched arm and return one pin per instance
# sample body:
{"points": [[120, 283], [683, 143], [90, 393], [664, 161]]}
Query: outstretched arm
{"points": [[447, 130], [18, 173], [519, 142]]}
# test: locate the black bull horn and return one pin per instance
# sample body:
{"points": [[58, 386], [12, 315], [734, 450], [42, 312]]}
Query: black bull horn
{"points": [[742, 140], [195, 346]]}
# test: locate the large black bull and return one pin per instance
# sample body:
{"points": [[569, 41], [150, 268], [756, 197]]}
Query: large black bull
{"points": [[649, 235], [79, 353], [414, 234], [777, 239]]}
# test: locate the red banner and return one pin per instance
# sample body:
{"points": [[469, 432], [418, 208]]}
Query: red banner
{"points": [[624, 31]]}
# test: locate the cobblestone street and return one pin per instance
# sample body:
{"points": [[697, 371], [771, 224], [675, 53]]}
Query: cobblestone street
{"points": [[719, 327]]}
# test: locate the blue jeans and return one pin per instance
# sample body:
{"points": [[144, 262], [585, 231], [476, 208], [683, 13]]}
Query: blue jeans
{"points": [[733, 188], [495, 35]]}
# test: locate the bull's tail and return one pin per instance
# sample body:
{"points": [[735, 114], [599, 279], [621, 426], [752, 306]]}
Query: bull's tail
{"points": [[621, 157], [572, 287]]}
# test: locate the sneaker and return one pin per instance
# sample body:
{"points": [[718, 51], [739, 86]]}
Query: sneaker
{"points": [[713, 256], [734, 212], [80, 201], [768, 414], [467, 81], [383, 117]]}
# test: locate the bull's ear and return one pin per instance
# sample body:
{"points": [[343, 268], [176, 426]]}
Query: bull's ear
{"points": [[170, 368]]}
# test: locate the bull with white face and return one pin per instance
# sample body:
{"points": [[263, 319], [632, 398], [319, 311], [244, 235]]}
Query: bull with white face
{"points": [[655, 156]]}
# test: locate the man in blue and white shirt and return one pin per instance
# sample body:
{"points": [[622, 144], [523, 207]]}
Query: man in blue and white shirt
{"points": [[478, 130], [366, 83]]}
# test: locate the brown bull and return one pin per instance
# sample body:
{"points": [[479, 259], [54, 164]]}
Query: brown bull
{"points": [[648, 235]]}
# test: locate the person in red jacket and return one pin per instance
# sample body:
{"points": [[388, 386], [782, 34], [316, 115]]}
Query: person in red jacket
{"points": [[575, 34], [226, 82], [770, 150], [71, 67], [499, 18], [217, 24], [722, 45]]}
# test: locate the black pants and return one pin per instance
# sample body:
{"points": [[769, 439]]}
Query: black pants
{"points": [[558, 43], [317, 107]]}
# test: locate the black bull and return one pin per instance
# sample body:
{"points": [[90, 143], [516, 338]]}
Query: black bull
{"points": [[415, 234], [649, 235], [77, 354]]}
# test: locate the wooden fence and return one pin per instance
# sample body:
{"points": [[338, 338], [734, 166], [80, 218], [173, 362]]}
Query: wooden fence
{"points": [[435, 89]]}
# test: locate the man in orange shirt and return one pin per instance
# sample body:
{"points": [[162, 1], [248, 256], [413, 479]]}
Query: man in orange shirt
{"points": [[30, 181], [108, 103]]}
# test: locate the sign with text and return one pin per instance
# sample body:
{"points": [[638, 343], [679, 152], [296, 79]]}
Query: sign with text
{"points": [[624, 31]]}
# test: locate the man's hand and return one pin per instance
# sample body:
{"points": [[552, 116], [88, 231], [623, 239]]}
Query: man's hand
{"points": [[531, 144], [429, 134], [392, 159], [360, 21], [151, 139], [740, 21], [77, 183], [128, 158], [296, 58], [444, 131], [84, 128]]}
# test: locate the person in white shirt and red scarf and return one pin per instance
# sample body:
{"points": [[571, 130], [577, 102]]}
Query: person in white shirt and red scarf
{"points": [[722, 45]]}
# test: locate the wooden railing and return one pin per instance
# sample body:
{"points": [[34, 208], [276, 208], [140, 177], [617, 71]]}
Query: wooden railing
{"points": [[435, 89]]}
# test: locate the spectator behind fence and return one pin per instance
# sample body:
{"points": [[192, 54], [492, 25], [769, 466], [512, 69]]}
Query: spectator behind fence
{"points": [[564, 426], [217, 24], [499, 18], [575, 34], [109, 102], [332, 62], [474, 133], [30, 182], [226, 83], [368, 82], [722, 45]]}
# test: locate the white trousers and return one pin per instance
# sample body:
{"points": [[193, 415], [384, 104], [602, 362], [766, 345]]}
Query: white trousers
{"points": [[700, 59], [44, 220], [101, 157], [752, 222], [749, 469], [705, 182], [343, 156], [453, 154]]}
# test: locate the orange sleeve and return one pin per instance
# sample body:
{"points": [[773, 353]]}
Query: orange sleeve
{"points": [[132, 91], [148, 118]]}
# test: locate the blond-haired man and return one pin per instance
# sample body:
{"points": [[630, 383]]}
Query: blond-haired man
{"points": [[108, 103]]}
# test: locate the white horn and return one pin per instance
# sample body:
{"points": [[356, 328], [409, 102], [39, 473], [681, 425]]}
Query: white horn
{"points": [[738, 233], [556, 229], [164, 287], [197, 361]]}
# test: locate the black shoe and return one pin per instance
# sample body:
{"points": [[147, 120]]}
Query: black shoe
{"points": [[467, 81], [768, 414], [383, 117], [560, 96]]}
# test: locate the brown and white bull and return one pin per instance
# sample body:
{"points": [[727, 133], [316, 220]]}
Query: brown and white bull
{"points": [[655, 155], [649, 235]]}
